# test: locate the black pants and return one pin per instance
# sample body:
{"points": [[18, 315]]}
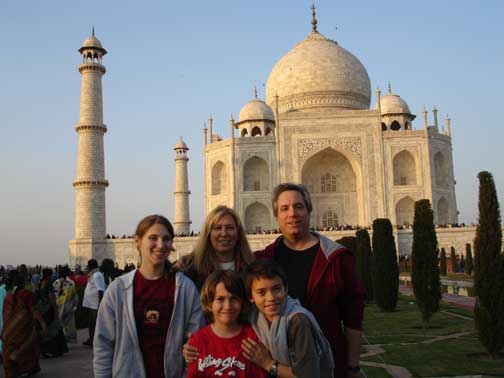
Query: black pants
{"points": [[93, 314]]}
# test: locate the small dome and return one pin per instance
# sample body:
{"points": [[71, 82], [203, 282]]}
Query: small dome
{"points": [[181, 145], [318, 72], [393, 104], [254, 110], [92, 43]]}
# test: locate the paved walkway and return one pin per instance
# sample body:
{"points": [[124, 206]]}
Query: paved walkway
{"points": [[457, 300], [78, 363]]}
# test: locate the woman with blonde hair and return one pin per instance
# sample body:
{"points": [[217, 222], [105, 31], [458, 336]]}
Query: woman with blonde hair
{"points": [[222, 245]]}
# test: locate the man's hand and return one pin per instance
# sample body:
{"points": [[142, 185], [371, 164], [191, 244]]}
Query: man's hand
{"points": [[256, 352]]}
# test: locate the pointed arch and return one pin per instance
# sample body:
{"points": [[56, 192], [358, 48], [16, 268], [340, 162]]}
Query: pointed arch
{"points": [[256, 175], [244, 133], [442, 211], [269, 131], [405, 211], [257, 218], [395, 126], [441, 170], [256, 131], [219, 178], [404, 169], [335, 182]]}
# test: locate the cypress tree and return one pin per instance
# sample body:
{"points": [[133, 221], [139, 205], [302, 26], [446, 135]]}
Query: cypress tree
{"points": [[469, 260], [453, 260], [442, 262], [363, 261], [488, 268], [349, 242], [385, 269], [425, 273]]}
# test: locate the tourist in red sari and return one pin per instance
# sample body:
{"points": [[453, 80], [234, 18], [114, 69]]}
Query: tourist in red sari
{"points": [[20, 344]]}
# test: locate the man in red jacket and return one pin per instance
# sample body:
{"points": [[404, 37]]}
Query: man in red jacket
{"points": [[321, 275]]}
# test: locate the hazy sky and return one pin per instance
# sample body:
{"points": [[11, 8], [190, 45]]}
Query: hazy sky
{"points": [[170, 64]]}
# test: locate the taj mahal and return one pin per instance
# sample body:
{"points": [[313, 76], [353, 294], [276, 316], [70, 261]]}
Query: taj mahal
{"points": [[316, 126]]}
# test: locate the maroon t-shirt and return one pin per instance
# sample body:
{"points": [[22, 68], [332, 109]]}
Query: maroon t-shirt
{"points": [[153, 303]]}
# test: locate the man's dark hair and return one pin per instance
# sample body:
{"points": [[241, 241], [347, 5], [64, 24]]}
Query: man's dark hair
{"points": [[92, 264], [263, 268], [279, 189]]}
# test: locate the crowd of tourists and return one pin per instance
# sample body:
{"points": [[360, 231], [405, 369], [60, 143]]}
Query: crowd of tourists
{"points": [[38, 315], [293, 309]]}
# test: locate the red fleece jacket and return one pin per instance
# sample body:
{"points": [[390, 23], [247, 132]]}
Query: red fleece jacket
{"points": [[335, 295]]}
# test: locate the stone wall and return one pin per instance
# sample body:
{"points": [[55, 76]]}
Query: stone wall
{"points": [[124, 250]]}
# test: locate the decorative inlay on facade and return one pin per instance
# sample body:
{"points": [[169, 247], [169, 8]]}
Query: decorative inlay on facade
{"points": [[306, 147], [323, 98], [80, 127], [92, 67]]}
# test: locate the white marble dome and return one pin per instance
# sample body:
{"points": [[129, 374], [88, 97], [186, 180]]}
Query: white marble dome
{"points": [[393, 104], [318, 72], [255, 110]]}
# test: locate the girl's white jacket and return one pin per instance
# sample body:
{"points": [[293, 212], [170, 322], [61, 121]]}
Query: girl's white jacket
{"points": [[116, 348]]}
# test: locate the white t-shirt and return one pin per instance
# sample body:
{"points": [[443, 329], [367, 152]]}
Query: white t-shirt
{"points": [[227, 265], [95, 284]]}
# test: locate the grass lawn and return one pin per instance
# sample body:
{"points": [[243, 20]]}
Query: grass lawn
{"points": [[375, 372], [400, 334]]}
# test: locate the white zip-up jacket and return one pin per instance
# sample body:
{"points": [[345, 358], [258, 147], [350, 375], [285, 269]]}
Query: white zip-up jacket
{"points": [[116, 347]]}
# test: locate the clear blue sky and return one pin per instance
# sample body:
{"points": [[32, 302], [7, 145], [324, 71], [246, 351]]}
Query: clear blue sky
{"points": [[170, 64]]}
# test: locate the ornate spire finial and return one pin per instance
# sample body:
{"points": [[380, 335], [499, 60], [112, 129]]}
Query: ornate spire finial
{"points": [[92, 33], [255, 91], [314, 19], [389, 88]]}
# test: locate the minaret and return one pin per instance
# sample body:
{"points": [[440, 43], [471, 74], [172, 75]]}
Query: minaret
{"points": [[181, 219], [90, 183]]}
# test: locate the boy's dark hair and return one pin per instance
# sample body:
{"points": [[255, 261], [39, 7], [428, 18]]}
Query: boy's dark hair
{"points": [[263, 268], [233, 283]]}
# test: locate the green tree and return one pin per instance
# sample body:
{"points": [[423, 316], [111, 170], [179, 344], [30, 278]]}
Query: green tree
{"points": [[469, 260], [488, 268], [349, 242], [385, 269], [453, 260], [363, 261], [442, 262], [425, 273]]}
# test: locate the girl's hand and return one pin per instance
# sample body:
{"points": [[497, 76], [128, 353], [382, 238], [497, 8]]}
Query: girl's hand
{"points": [[256, 352]]}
